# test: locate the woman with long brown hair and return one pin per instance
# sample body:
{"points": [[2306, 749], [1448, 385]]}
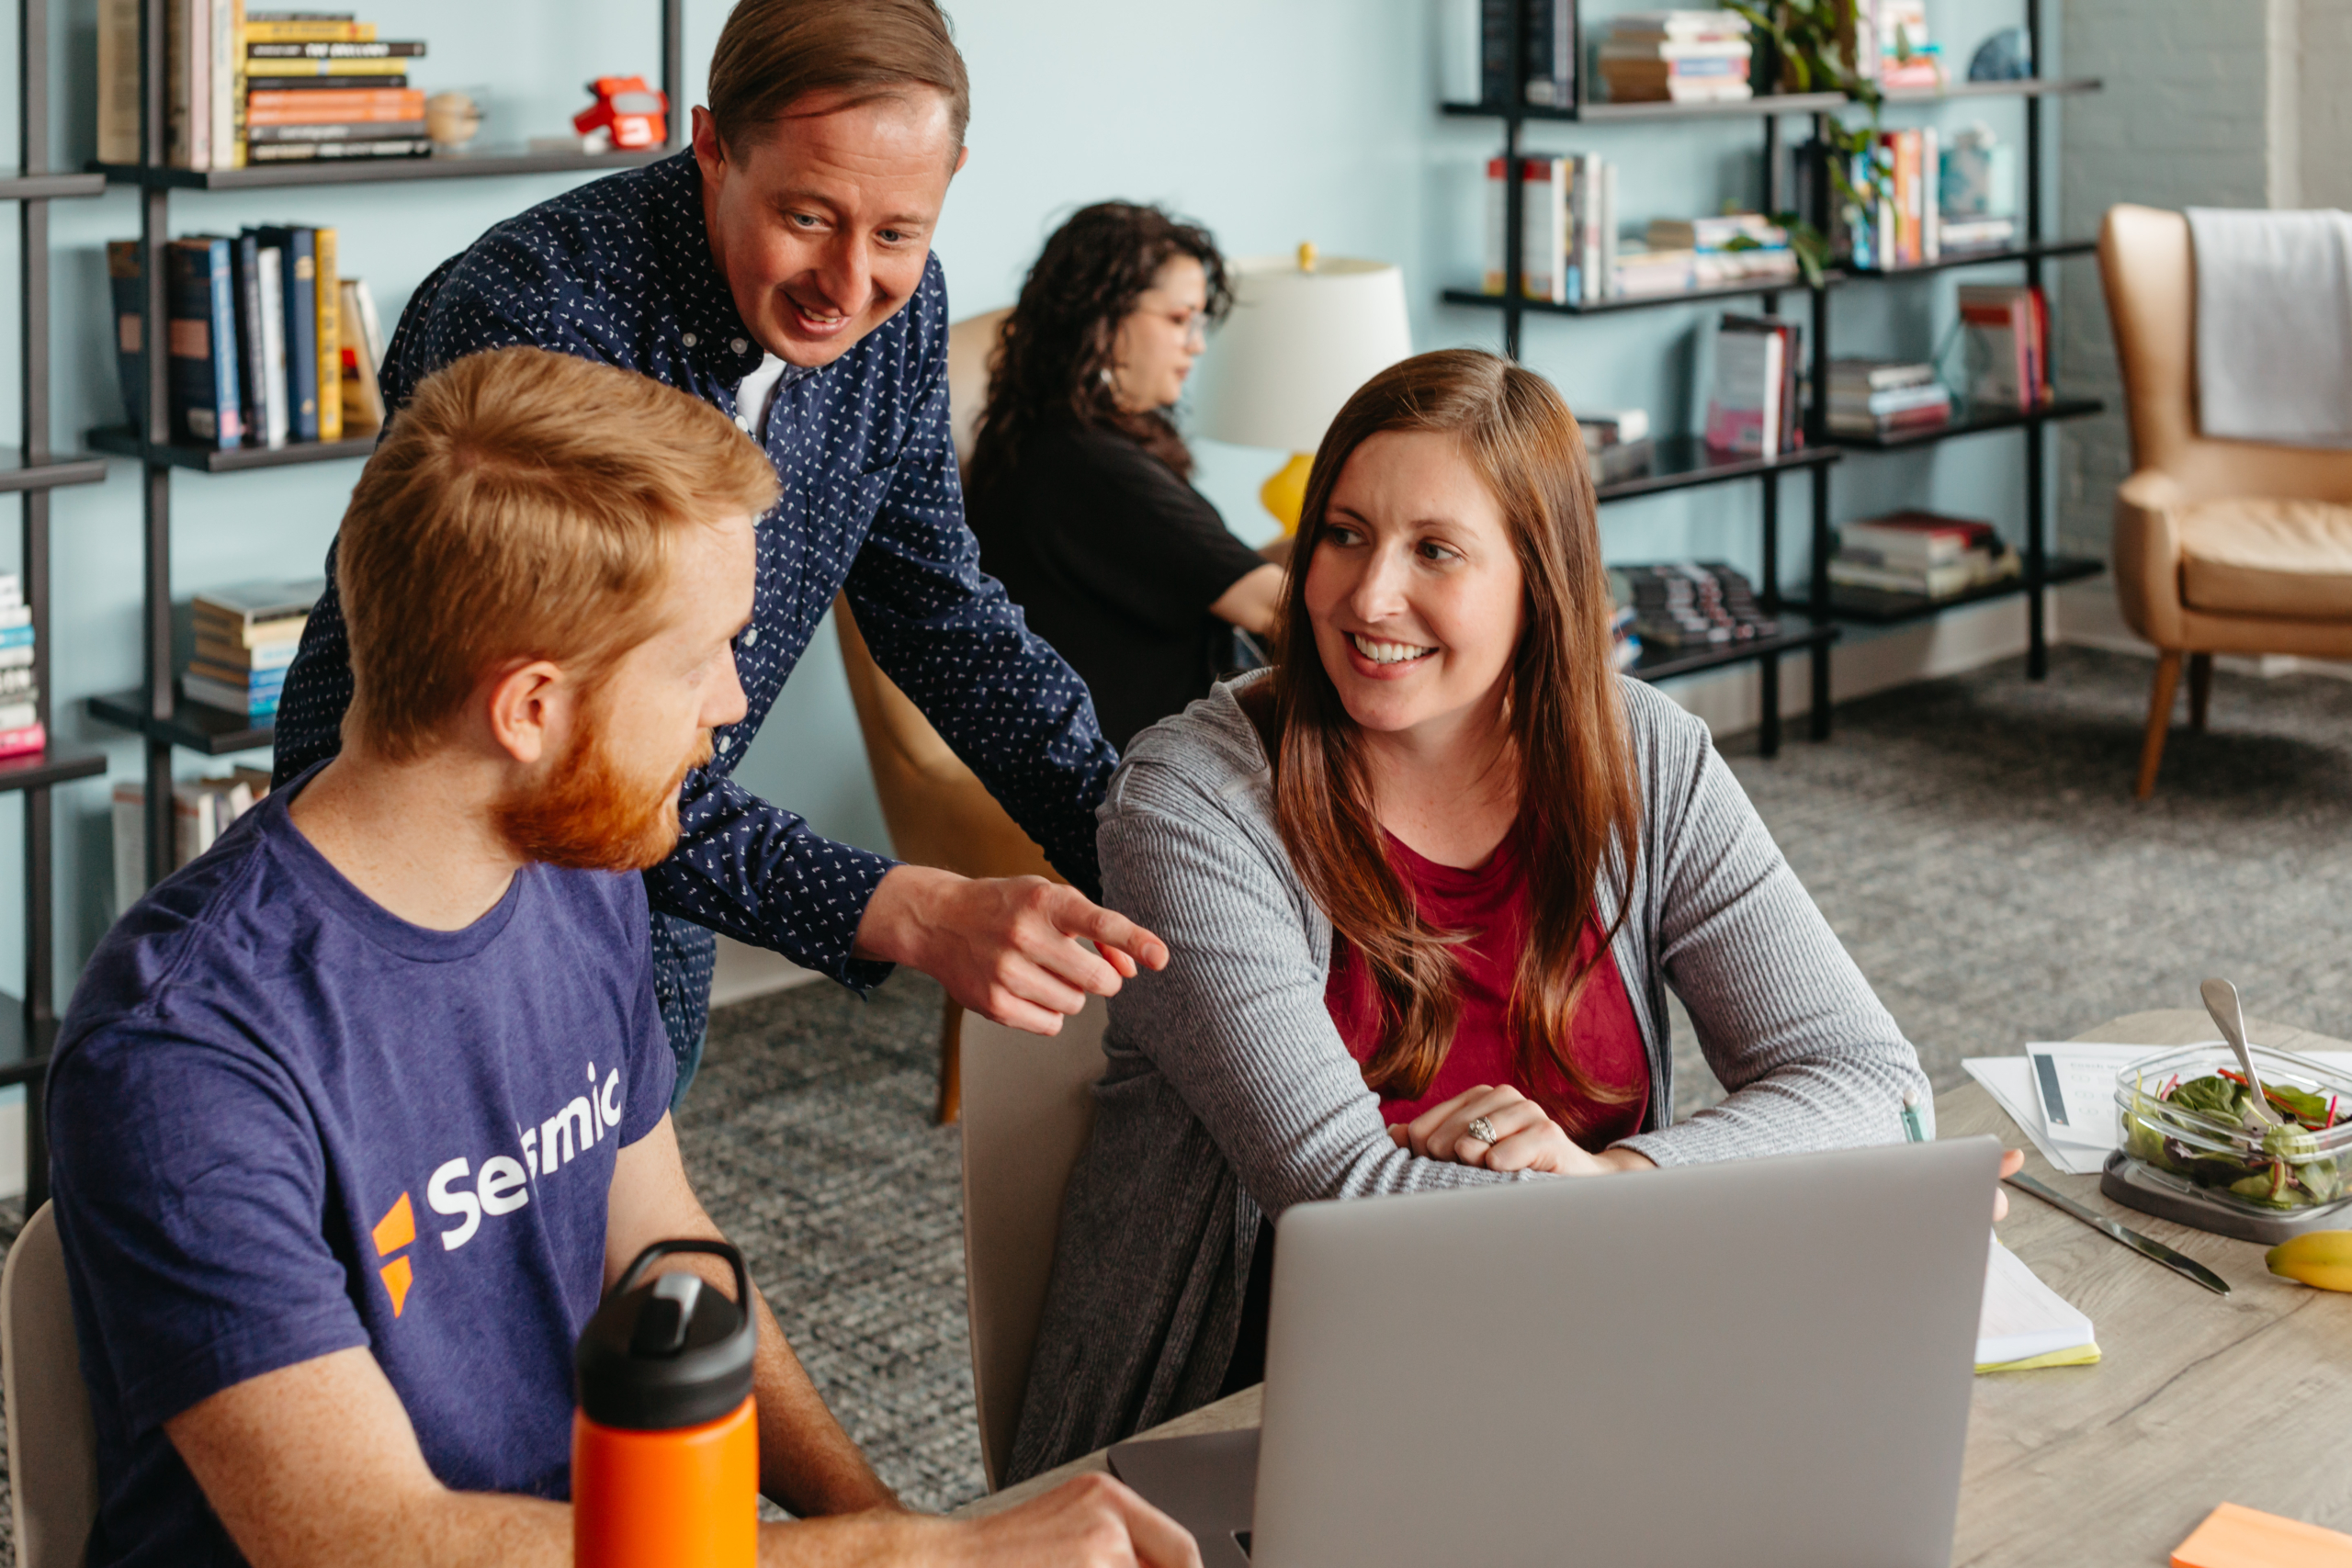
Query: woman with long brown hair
{"points": [[1425, 885]]}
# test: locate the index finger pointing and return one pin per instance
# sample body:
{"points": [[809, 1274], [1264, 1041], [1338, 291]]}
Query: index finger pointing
{"points": [[1084, 918]]}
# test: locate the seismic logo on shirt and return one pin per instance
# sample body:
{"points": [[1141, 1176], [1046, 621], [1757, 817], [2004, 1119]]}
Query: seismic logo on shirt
{"points": [[501, 1186]]}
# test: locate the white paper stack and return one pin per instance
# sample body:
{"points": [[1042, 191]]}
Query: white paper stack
{"points": [[2024, 1323]]}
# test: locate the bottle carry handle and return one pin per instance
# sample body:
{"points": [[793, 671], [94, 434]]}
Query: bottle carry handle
{"points": [[661, 1249]]}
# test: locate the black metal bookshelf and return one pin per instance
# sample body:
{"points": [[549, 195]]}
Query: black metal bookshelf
{"points": [[31, 470], [1817, 608], [155, 712]]}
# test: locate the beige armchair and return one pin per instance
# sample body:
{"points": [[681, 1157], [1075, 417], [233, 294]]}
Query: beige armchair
{"points": [[2220, 547], [937, 809]]}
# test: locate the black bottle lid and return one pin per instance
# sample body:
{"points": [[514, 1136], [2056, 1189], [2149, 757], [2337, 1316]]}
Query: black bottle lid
{"points": [[671, 1353]]}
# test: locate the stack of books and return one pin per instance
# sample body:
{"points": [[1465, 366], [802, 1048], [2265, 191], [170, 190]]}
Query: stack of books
{"points": [[265, 336], [2006, 331], [1567, 227], [20, 726], [243, 640], [1884, 397], [1728, 248], [261, 87], [201, 811], [1691, 604], [1644, 271], [1617, 444], [321, 84], [1752, 410], [1676, 56], [1922, 553]]}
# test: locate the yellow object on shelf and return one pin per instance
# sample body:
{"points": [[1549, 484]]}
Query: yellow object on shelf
{"points": [[1285, 492]]}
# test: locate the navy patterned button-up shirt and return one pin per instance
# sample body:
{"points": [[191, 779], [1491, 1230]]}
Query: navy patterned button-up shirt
{"points": [[620, 270]]}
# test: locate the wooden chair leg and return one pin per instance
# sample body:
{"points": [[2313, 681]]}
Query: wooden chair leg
{"points": [[2159, 720], [2200, 689], [951, 1063]]}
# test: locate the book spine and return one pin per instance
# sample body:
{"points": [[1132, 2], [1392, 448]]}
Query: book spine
{"points": [[236, 18], [272, 274], [200, 83], [252, 362], [396, 49], [328, 291], [307, 151], [302, 333], [125, 276], [1491, 277], [1493, 52], [363, 395], [177, 150], [1609, 229], [371, 325], [195, 350], [1930, 189], [228, 395], [310, 32], [265, 83], [336, 131], [119, 81]]}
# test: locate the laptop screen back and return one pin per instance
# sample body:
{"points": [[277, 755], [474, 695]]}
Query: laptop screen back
{"points": [[1766, 1363]]}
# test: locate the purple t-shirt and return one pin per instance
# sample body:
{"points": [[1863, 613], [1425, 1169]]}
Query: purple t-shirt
{"points": [[285, 1123]]}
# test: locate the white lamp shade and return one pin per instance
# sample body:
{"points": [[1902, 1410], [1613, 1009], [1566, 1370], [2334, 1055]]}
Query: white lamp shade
{"points": [[1296, 347]]}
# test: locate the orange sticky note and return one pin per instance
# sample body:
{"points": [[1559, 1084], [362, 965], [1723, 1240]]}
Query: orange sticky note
{"points": [[2232, 1537]]}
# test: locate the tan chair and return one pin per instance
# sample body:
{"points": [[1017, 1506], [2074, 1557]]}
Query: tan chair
{"points": [[1028, 1108], [53, 1446], [937, 809], [2220, 547]]}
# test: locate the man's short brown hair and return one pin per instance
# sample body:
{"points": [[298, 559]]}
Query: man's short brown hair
{"points": [[523, 506], [773, 53]]}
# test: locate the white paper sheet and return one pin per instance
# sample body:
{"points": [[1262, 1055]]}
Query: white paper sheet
{"points": [[2022, 1317]]}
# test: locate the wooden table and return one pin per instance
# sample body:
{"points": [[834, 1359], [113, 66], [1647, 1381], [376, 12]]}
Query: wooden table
{"points": [[2200, 1400]]}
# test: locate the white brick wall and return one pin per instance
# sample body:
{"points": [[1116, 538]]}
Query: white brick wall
{"points": [[2325, 49], [2209, 103], [2184, 122]]}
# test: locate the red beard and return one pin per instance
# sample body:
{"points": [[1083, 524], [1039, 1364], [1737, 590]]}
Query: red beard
{"points": [[591, 815]]}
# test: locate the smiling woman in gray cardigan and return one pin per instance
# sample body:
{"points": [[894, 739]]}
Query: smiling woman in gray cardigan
{"points": [[1230, 1094]]}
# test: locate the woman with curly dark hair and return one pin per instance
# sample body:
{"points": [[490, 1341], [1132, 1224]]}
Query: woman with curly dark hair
{"points": [[1078, 491]]}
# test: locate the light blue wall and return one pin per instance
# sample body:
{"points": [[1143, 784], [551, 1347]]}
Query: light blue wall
{"points": [[1271, 120]]}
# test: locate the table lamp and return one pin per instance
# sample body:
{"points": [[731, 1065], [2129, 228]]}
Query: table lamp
{"points": [[1303, 334]]}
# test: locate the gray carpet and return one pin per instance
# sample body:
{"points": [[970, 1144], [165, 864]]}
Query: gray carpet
{"points": [[1973, 840]]}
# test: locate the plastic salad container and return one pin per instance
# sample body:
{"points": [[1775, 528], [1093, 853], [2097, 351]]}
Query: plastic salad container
{"points": [[2189, 1132]]}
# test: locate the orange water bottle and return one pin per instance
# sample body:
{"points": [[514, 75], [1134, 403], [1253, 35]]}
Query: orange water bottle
{"points": [[665, 1451]]}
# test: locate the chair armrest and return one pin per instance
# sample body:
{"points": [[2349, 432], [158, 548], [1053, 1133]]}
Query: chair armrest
{"points": [[2147, 555]]}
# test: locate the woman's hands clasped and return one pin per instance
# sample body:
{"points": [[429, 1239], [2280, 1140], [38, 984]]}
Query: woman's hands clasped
{"points": [[1524, 1136]]}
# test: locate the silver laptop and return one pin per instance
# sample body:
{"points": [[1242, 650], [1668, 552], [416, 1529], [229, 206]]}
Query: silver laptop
{"points": [[1765, 1363]]}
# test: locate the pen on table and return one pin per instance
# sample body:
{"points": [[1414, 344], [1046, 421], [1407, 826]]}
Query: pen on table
{"points": [[1915, 1127]]}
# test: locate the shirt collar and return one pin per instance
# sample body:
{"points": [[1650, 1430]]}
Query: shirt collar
{"points": [[710, 326]]}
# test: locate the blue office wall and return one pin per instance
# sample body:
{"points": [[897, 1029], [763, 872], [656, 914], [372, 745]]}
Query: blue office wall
{"points": [[1271, 120]]}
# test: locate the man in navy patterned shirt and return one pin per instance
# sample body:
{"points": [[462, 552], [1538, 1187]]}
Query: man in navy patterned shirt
{"points": [[781, 270]]}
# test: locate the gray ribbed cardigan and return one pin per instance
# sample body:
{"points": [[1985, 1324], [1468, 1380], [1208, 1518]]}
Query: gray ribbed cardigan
{"points": [[1228, 1094]]}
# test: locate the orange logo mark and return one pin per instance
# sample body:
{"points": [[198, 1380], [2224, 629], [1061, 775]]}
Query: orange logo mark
{"points": [[394, 1231]]}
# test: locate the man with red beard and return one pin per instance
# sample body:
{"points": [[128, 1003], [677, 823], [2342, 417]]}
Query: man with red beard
{"points": [[356, 1116]]}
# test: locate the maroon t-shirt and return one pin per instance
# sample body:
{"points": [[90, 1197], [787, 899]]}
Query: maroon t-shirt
{"points": [[1491, 901]]}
